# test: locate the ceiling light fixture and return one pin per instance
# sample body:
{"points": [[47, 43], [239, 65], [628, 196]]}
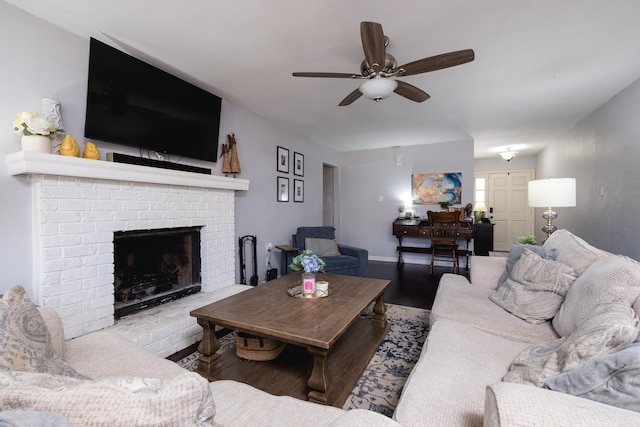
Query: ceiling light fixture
{"points": [[378, 88], [508, 155]]}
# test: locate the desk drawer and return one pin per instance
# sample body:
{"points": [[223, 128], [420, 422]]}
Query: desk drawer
{"points": [[405, 230]]}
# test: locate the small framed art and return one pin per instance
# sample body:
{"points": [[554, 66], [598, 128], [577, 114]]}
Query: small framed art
{"points": [[298, 164], [298, 190], [283, 160], [283, 189]]}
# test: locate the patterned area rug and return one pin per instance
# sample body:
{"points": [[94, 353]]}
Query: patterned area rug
{"points": [[381, 383]]}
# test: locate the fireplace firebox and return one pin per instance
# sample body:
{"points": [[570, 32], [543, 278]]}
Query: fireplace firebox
{"points": [[153, 267]]}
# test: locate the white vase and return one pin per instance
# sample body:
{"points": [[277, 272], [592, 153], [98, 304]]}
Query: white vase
{"points": [[37, 143]]}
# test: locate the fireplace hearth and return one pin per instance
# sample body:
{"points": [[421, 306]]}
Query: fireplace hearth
{"points": [[153, 267]]}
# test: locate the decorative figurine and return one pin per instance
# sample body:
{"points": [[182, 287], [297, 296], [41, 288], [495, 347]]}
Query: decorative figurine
{"points": [[235, 162], [90, 151], [51, 110], [69, 147], [226, 165]]}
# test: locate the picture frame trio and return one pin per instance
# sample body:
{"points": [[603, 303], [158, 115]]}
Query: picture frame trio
{"points": [[282, 166]]}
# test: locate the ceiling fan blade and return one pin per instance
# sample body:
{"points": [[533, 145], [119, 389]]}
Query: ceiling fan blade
{"points": [[411, 92], [350, 98], [330, 75], [437, 62], [373, 44]]}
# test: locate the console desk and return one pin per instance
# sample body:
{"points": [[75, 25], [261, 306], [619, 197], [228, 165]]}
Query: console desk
{"points": [[420, 228]]}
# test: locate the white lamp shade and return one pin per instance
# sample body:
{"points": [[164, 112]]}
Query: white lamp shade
{"points": [[480, 206], [552, 192], [378, 88]]}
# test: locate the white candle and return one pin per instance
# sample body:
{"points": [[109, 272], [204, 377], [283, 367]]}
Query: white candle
{"points": [[322, 288]]}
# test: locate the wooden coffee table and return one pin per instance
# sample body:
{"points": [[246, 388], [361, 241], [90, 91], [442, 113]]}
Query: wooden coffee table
{"points": [[331, 343]]}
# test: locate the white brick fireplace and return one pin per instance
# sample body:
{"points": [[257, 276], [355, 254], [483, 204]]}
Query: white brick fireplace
{"points": [[78, 204]]}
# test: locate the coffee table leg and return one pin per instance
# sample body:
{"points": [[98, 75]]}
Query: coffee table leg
{"points": [[379, 313], [209, 362], [319, 379]]}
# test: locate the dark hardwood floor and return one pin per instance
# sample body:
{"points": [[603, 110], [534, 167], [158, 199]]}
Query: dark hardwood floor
{"points": [[411, 284]]}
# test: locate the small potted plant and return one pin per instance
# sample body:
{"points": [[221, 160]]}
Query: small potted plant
{"points": [[528, 239], [311, 264], [36, 131], [444, 205]]}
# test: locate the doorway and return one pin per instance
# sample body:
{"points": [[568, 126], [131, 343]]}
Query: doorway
{"points": [[329, 192], [507, 201]]}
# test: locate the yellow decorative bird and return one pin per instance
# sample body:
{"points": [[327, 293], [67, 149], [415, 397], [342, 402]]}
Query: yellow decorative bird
{"points": [[90, 151], [69, 147]]}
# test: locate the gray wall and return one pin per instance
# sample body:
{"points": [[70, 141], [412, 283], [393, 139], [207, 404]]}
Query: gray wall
{"points": [[366, 175], [45, 61], [602, 150]]}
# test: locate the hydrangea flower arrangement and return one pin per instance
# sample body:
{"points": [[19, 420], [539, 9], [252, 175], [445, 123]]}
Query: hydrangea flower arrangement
{"points": [[307, 261], [29, 123]]}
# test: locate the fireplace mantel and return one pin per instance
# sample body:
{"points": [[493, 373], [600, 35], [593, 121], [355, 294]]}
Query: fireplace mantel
{"points": [[25, 162]]}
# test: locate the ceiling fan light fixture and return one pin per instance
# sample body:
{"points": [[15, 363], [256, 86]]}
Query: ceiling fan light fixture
{"points": [[378, 88], [508, 155]]}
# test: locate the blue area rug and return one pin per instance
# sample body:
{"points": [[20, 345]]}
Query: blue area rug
{"points": [[381, 383]]}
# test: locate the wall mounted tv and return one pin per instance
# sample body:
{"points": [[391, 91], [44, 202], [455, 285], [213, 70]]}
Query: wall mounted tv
{"points": [[132, 103]]}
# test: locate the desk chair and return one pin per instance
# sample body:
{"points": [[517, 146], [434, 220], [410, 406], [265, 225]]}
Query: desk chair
{"points": [[443, 231]]}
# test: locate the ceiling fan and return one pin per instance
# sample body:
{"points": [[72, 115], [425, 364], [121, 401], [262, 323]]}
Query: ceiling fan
{"points": [[379, 68]]}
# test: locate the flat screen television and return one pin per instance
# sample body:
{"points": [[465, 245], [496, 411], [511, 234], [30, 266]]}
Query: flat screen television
{"points": [[133, 103]]}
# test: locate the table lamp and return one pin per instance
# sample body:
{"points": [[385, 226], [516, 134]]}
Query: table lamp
{"points": [[552, 192], [479, 210]]}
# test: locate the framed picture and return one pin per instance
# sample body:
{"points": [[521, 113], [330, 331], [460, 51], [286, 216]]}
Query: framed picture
{"points": [[298, 190], [434, 188], [298, 164], [283, 189], [283, 160]]}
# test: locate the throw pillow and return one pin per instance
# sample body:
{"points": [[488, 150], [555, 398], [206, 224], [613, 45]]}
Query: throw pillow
{"points": [[613, 379], [572, 250], [515, 252], [535, 288], [322, 247], [25, 338], [185, 400], [607, 279], [610, 327]]}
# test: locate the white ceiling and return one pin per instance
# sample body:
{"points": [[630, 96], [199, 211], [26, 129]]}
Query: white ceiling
{"points": [[540, 67]]}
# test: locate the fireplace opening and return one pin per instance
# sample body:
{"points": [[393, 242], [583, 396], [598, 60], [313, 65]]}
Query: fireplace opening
{"points": [[153, 267]]}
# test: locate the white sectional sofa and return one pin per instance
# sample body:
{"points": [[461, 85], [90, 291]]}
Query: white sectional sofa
{"points": [[473, 344]]}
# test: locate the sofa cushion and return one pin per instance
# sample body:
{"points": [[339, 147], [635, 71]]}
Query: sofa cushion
{"points": [[186, 400], [610, 327], [24, 337], [515, 251], [446, 386], [567, 248], [613, 379], [535, 288], [322, 247], [465, 302], [607, 279]]}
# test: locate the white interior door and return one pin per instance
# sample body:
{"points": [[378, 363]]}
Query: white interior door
{"points": [[508, 207]]}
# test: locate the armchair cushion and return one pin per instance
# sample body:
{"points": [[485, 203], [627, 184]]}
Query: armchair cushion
{"points": [[322, 247]]}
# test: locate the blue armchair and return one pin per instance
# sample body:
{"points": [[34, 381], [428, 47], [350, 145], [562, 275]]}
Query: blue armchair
{"points": [[351, 261]]}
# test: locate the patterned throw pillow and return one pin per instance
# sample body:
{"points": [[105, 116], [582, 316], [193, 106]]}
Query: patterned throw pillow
{"points": [[535, 288], [610, 327], [322, 247], [25, 339], [515, 252]]}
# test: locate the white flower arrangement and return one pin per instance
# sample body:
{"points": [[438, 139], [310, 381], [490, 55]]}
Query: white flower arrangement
{"points": [[29, 123]]}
